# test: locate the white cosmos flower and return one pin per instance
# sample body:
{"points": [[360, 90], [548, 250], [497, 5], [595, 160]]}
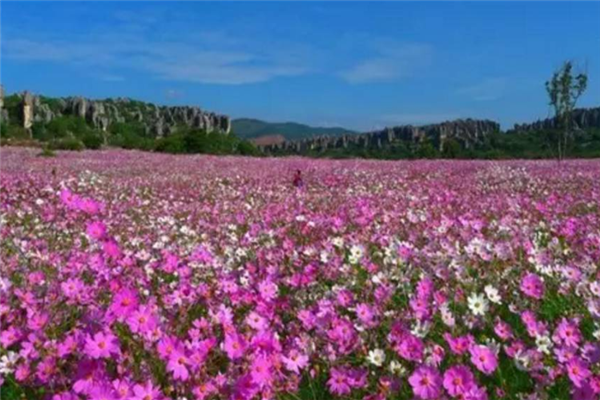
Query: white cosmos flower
{"points": [[338, 242], [376, 357], [478, 304], [7, 362], [396, 368], [492, 294], [543, 344], [356, 253]]}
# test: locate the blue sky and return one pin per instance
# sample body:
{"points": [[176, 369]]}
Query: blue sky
{"points": [[358, 65]]}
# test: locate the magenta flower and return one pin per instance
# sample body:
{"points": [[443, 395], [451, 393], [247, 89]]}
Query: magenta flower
{"points": [[101, 345], [426, 383], [568, 333], [338, 382], [177, 365], [123, 304], [146, 392], [96, 230], [410, 348], [142, 320], [532, 286], [103, 392], [484, 359], [578, 371], [295, 361], [261, 371], [503, 330], [234, 345], [458, 380]]}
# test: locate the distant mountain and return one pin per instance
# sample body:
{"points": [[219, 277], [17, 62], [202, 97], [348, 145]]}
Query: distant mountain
{"points": [[248, 128]]}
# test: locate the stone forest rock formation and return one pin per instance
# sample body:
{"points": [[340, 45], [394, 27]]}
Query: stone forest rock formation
{"points": [[582, 118], [467, 132], [158, 121]]}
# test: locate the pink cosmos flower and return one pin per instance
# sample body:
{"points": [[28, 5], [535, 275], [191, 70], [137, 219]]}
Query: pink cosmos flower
{"points": [[268, 290], [96, 230], [89, 206], [261, 371], [365, 313], [426, 383], [532, 286], [142, 320], [124, 303], [146, 392], [256, 321], [9, 336], [101, 345], [567, 333], [295, 361], [503, 330], [410, 348], [458, 380], [338, 382], [234, 345], [177, 365], [244, 388], [484, 359], [166, 346], [103, 392], [459, 345], [204, 390], [585, 392], [73, 288], [578, 371], [123, 388]]}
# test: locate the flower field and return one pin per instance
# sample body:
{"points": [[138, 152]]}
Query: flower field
{"points": [[138, 276]]}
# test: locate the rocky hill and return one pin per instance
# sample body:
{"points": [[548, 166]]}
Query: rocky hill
{"points": [[467, 132], [158, 121], [582, 118]]}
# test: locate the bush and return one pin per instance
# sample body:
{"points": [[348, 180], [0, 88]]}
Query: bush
{"points": [[67, 125], [67, 144], [172, 144], [92, 141], [47, 152], [17, 132], [246, 148]]}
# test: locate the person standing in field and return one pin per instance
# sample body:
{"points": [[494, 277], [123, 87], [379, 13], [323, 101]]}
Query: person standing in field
{"points": [[298, 182]]}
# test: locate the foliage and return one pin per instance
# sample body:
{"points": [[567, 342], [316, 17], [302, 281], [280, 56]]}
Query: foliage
{"points": [[67, 143], [47, 152], [12, 104], [66, 126], [92, 141], [193, 141]]}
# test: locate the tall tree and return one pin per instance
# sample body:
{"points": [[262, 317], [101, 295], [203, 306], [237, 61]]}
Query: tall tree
{"points": [[564, 89]]}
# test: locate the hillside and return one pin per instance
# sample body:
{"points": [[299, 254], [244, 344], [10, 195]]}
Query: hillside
{"points": [[248, 128]]}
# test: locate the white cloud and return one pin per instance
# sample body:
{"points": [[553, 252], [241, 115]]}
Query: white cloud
{"points": [[487, 90], [392, 61], [202, 61]]}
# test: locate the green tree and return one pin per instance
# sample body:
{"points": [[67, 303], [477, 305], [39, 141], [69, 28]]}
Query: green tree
{"points": [[564, 89], [425, 149], [451, 149]]}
